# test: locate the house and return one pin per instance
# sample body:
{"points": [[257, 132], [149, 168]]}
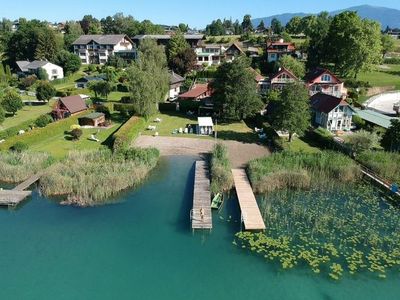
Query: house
{"points": [[68, 106], [93, 119], [275, 50], [193, 40], [210, 54], [324, 81], [205, 126], [53, 71], [96, 49], [252, 52], [262, 84], [280, 79], [200, 91], [175, 83], [82, 83], [331, 113], [233, 51]]}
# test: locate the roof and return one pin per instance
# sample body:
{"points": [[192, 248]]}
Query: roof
{"points": [[271, 45], [105, 39], [236, 45], [196, 92], [93, 116], [326, 103], [175, 78], [167, 36], [314, 74], [90, 78], [22, 65], [205, 121], [284, 70], [258, 76], [74, 104], [375, 117]]}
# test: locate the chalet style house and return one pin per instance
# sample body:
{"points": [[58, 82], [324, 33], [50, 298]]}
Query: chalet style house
{"points": [[68, 106], [331, 113], [233, 51], [194, 40], [53, 71], [324, 81], [96, 49], [175, 83], [275, 50], [281, 79]]}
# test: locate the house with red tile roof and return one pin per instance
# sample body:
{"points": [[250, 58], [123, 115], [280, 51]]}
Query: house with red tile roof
{"points": [[198, 92], [275, 50], [331, 113], [324, 81]]}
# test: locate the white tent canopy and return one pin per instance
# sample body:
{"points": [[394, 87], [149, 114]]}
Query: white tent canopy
{"points": [[205, 122]]}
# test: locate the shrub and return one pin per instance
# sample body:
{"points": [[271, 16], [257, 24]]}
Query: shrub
{"points": [[125, 99], [19, 147], [127, 133], [43, 120], [385, 164], [125, 108], [103, 109], [76, 133], [362, 140], [360, 123]]}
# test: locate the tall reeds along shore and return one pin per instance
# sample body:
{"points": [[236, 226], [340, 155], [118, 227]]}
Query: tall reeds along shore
{"points": [[18, 166], [221, 174], [95, 178], [288, 170]]}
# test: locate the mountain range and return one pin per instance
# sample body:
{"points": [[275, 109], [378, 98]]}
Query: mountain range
{"points": [[386, 16]]}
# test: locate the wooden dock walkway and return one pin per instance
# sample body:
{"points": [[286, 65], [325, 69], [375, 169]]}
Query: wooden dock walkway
{"points": [[378, 179], [251, 214], [200, 215], [18, 194]]}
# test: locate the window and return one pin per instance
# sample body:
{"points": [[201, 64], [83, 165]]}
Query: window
{"points": [[273, 55], [326, 78], [206, 58], [54, 71]]}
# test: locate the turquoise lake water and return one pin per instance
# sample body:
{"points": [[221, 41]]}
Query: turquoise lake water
{"points": [[143, 248]]}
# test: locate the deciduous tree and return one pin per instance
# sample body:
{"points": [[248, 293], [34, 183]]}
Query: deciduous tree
{"points": [[45, 91], [184, 62], [235, 90], [293, 110], [391, 138], [293, 65], [12, 102]]}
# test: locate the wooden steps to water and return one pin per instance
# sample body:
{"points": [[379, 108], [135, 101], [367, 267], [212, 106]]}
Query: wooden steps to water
{"points": [[251, 214], [200, 215], [378, 180], [18, 194]]}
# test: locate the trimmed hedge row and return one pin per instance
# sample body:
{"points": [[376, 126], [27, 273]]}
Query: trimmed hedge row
{"points": [[127, 133]]}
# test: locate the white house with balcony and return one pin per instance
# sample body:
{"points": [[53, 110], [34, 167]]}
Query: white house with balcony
{"points": [[331, 113], [96, 49], [208, 55], [53, 71]]}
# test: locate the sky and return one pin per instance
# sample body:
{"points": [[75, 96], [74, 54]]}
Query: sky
{"points": [[171, 12]]}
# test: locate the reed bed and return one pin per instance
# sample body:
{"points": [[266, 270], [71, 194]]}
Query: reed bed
{"points": [[18, 166], [221, 173], [342, 230], [385, 164], [301, 170], [95, 178]]}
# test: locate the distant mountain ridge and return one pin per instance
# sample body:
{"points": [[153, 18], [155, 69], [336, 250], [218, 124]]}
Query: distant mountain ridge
{"points": [[386, 16]]}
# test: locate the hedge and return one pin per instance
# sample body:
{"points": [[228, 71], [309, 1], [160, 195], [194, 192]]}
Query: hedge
{"points": [[186, 105], [167, 107], [13, 131], [392, 61], [127, 133], [124, 107]]}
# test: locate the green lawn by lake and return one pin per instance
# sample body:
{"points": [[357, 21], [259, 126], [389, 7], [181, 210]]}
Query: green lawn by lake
{"points": [[238, 131], [28, 112]]}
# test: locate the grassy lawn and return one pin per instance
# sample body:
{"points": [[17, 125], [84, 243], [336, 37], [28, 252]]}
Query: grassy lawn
{"points": [[299, 145], [387, 76], [27, 113], [238, 131], [54, 137]]}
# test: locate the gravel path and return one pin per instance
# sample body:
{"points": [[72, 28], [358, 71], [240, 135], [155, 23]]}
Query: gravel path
{"points": [[239, 153]]}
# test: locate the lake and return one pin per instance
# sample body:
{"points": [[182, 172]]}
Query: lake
{"points": [[143, 248]]}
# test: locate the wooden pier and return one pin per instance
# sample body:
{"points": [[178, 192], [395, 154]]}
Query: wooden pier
{"points": [[18, 194], [200, 215], [251, 215], [379, 180]]}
